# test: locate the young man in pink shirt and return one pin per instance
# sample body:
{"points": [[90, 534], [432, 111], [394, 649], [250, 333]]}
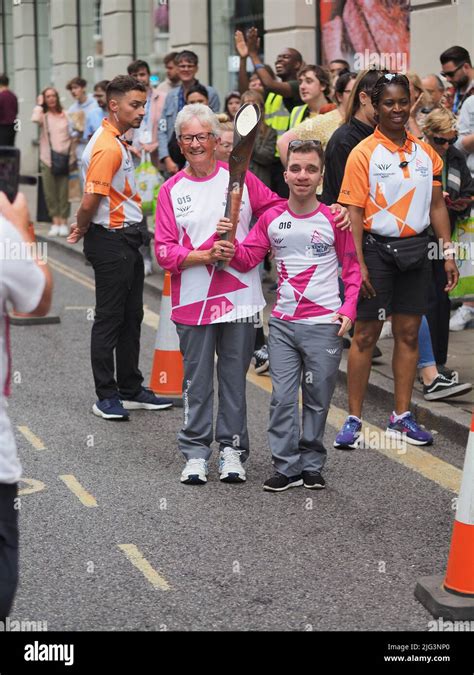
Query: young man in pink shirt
{"points": [[308, 320]]}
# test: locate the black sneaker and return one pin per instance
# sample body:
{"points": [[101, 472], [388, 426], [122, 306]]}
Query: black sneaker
{"points": [[260, 360], [443, 387], [313, 480], [447, 372], [279, 482]]}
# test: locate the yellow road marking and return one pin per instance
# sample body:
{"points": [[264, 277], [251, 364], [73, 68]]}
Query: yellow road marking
{"points": [[437, 470], [83, 307], [141, 563], [36, 442], [150, 318], [35, 486], [73, 484]]}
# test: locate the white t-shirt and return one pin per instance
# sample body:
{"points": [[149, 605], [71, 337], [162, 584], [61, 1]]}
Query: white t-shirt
{"points": [[465, 128], [21, 283]]}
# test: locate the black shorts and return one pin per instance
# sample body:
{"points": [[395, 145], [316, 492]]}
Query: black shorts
{"points": [[396, 292]]}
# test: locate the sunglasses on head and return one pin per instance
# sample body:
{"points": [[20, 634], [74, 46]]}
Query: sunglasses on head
{"points": [[439, 140], [297, 143]]}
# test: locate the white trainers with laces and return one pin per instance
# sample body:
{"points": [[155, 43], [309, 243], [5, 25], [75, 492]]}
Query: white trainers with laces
{"points": [[63, 231], [53, 231], [195, 472], [230, 467], [461, 318]]}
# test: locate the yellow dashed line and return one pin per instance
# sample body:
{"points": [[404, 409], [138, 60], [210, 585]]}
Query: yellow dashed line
{"points": [[437, 470], [141, 563], [36, 442], [35, 486], [73, 484]]}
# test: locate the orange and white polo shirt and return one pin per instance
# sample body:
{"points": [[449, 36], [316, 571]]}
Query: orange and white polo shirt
{"points": [[396, 200], [107, 169]]}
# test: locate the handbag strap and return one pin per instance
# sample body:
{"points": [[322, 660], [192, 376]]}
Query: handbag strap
{"points": [[47, 130]]}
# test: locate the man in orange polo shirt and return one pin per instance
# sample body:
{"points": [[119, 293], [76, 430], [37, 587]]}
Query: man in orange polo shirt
{"points": [[109, 217], [392, 186]]}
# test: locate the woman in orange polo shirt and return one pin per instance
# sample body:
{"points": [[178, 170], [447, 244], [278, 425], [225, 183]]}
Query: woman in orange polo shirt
{"points": [[392, 186]]}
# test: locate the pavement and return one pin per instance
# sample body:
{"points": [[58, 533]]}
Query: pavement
{"points": [[452, 415]]}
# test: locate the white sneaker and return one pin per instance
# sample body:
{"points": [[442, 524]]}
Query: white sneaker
{"points": [[230, 466], [195, 472], [63, 231], [461, 318], [386, 331], [53, 231]]}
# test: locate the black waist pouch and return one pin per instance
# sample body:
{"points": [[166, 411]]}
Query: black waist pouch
{"points": [[408, 253], [134, 236]]}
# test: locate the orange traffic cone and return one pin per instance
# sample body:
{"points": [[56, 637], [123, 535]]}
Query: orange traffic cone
{"points": [[20, 319], [167, 372], [453, 596]]}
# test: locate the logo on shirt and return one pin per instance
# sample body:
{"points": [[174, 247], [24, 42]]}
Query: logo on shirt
{"points": [[277, 243], [318, 247], [420, 168], [383, 167], [383, 170]]}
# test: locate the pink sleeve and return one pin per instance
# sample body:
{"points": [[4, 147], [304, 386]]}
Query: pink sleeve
{"points": [[351, 278], [169, 252], [254, 247], [261, 197]]}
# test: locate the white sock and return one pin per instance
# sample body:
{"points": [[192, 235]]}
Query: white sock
{"points": [[399, 417]]}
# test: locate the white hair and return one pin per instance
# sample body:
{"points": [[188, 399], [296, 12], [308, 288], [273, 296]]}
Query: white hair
{"points": [[197, 111]]}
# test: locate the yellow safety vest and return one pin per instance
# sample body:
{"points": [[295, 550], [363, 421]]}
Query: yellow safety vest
{"points": [[276, 115], [297, 115]]}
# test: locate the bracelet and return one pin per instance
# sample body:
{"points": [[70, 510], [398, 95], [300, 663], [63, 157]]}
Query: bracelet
{"points": [[258, 65]]}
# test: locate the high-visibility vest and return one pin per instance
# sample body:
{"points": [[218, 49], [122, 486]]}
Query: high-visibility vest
{"points": [[276, 115], [297, 115]]}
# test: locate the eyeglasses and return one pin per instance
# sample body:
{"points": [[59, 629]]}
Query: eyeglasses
{"points": [[439, 140], [297, 143], [187, 139], [452, 73]]}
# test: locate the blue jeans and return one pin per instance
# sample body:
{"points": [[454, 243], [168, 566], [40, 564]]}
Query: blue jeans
{"points": [[425, 348]]}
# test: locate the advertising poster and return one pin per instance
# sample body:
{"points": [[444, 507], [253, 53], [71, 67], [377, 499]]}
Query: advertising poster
{"points": [[366, 33]]}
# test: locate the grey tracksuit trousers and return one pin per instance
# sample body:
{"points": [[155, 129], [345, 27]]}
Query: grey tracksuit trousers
{"points": [[306, 354], [234, 345]]}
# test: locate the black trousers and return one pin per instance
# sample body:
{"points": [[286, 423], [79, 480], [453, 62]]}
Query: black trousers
{"points": [[7, 134], [438, 314], [8, 548], [119, 275]]}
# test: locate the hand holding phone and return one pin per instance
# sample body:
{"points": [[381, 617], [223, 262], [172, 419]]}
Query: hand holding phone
{"points": [[17, 214]]}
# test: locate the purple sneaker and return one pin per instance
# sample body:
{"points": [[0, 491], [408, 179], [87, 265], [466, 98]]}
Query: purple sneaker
{"points": [[408, 430], [348, 437]]}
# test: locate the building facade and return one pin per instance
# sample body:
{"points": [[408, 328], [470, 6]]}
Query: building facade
{"points": [[47, 42]]}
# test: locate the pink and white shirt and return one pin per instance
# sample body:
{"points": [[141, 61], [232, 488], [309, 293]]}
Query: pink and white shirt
{"points": [[307, 249], [187, 214]]}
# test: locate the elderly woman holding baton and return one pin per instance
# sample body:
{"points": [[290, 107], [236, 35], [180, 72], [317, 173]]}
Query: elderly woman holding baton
{"points": [[215, 309]]}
